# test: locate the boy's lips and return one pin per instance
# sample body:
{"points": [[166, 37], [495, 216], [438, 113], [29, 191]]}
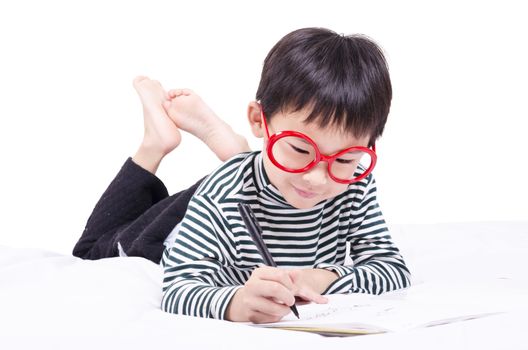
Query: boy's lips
{"points": [[304, 193]]}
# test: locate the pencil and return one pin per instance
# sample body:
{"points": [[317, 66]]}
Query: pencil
{"points": [[255, 231]]}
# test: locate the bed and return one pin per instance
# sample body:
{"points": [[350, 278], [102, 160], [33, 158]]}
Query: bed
{"points": [[56, 301]]}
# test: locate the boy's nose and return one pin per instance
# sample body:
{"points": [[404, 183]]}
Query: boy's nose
{"points": [[317, 176]]}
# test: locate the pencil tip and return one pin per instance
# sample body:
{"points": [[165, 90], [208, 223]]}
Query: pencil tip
{"points": [[295, 312]]}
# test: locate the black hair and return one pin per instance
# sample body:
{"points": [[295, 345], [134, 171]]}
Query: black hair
{"points": [[343, 80]]}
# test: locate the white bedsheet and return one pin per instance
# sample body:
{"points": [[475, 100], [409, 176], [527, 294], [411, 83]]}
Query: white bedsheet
{"points": [[49, 300]]}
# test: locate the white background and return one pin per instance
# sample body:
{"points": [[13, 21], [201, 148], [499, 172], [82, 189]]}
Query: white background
{"points": [[454, 148]]}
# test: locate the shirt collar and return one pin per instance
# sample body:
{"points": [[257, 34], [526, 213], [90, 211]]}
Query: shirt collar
{"points": [[265, 189]]}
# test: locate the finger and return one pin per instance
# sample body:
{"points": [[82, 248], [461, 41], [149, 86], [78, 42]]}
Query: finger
{"points": [[301, 301], [275, 274], [269, 307], [259, 317], [271, 289], [310, 295]]}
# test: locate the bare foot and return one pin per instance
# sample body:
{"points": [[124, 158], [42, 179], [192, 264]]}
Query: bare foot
{"points": [[161, 135], [160, 131], [190, 113]]}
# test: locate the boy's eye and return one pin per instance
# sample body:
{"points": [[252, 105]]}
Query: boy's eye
{"points": [[345, 161], [299, 150]]}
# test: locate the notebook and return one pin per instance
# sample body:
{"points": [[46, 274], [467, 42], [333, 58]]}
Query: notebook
{"points": [[360, 314]]}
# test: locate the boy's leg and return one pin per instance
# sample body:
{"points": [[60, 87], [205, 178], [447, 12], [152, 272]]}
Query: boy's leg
{"points": [[133, 213], [186, 111], [135, 209], [135, 189], [146, 235]]}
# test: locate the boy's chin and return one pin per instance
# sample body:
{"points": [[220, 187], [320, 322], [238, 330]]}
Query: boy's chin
{"points": [[300, 203]]}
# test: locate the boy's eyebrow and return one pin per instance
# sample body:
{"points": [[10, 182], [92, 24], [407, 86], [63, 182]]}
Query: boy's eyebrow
{"points": [[303, 140], [352, 153], [355, 154], [349, 152]]}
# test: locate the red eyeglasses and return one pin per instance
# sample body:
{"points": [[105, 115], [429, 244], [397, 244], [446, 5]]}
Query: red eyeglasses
{"points": [[295, 152]]}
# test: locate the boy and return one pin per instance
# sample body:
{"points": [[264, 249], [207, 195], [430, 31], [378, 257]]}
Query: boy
{"points": [[320, 94], [323, 100]]}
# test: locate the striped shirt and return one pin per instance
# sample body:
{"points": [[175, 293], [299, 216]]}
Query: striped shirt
{"points": [[213, 254]]}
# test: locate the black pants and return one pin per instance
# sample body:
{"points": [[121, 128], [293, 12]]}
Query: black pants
{"points": [[135, 211]]}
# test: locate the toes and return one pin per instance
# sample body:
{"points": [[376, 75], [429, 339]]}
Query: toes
{"points": [[179, 92], [175, 93]]}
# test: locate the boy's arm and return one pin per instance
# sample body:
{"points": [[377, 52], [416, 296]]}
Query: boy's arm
{"points": [[378, 266], [194, 281], [192, 265]]}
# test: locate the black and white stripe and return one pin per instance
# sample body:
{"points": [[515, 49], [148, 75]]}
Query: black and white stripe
{"points": [[213, 254]]}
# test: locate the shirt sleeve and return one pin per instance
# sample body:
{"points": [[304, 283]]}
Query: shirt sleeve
{"points": [[192, 265], [378, 266]]}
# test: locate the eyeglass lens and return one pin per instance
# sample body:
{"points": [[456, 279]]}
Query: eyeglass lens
{"points": [[295, 153]]}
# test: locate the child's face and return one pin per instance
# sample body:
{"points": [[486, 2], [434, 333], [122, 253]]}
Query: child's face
{"points": [[305, 190]]}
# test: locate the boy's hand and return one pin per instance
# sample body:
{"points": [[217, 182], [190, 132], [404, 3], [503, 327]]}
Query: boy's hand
{"points": [[269, 293], [310, 283], [266, 297]]}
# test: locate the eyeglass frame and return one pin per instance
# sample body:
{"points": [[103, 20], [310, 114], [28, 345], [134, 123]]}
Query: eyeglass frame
{"points": [[319, 157]]}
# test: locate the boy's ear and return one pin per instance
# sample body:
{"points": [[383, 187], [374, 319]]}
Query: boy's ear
{"points": [[255, 119]]}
